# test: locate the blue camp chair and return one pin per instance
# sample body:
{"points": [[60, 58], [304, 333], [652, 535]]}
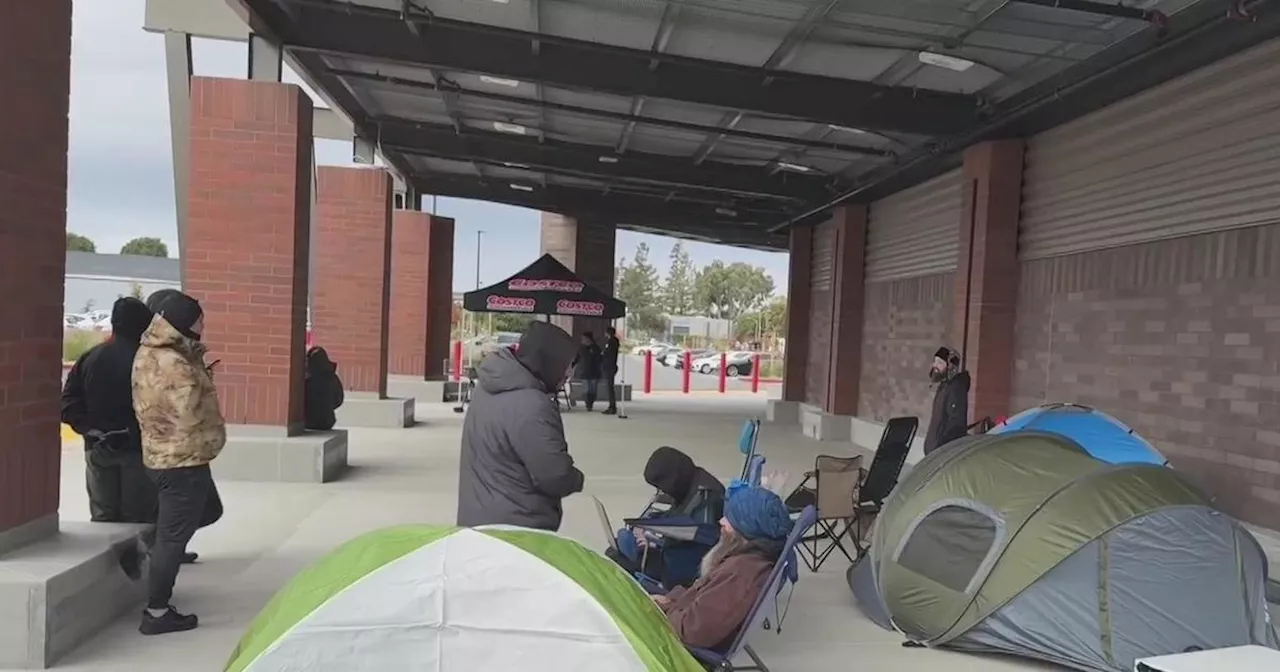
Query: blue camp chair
{"points": [[748, 438], [771, 606], [755, 470]]}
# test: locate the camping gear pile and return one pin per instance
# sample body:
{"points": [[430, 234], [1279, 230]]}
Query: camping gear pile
{"points": [[1031, 543]]}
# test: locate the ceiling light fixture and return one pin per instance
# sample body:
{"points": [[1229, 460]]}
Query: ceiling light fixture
{"points": [[608, 159], [514, 165], [500, 81], [944, 61], [845, 129], [726, 212], [795, 167], [520, 187], [504, 127]]}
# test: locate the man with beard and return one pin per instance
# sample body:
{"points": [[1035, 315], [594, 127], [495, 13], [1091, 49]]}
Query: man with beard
{"points": [[515, 466], [950, 419], [753, 533], [96, 403]]}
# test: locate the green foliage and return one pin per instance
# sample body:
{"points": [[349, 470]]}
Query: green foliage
{"points": [[638, 285], [78, 341], [79, 243], [769, 320], [513, 322], [146, 247], [728, 291], [679, 291], [136, 291]]}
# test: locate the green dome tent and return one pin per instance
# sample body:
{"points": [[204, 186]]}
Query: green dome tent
{"points": [[455, 599], [1022, 543]]}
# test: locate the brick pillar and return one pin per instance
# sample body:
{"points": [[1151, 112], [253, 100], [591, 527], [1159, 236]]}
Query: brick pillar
{"points": [[588, 249], [799, 303], [845, 370], [35, 76], [421, 294], [987, 274], [353, 273], [249, 242]]}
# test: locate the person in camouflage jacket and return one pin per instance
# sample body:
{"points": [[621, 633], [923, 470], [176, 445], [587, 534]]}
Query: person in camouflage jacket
{"points": [[182, 431]]}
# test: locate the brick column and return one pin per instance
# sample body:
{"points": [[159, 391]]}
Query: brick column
{"points": [[421, 294], [249, 242], [588, 249], [987, 273], [845, 370], [353, 273], [799, 303], [35, 76]]}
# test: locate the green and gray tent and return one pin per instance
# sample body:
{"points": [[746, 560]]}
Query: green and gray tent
{"points": [[1022, 543], [442, 598]]}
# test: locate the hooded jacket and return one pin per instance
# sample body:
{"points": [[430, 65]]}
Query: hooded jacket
{"points": [[96, 395], [675, 475], [322, 391], [515, 464], [175, 400], [950, 419]]}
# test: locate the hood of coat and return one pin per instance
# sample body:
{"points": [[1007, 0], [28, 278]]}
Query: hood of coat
{"points": [[542, 364], [671, 472], [161, 334], [130, 317], [319, 363], [961, 381]]}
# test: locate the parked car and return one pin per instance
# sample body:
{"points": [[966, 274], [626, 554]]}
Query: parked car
{"points": [[501, 339], [736, 363], [656, 347], [676, 357]]}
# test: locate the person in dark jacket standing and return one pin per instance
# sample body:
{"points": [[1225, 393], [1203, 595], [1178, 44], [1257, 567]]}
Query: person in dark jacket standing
{"points": [[587, 368], [97, 404], [515, 466], [609, 367], [950, 419]]}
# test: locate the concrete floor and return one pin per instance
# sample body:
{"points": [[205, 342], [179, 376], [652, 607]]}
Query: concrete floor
{"points": [[270, 531]]}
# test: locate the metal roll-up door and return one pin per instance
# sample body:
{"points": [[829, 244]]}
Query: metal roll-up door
{"points": [[915, 231], [1197, 154], [821, 308]]}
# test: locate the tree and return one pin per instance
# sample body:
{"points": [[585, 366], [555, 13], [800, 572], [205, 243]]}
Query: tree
{"points": [[511, 322], [728, 291], [679, 290], [637, 284], [146, 247], [79, 243], [136, 291], [769, 320]]}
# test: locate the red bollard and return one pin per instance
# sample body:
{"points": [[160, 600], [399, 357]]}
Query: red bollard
{"points": [[688, 364], [724, 364], [457, 361], [648, 371], [755, 373]]}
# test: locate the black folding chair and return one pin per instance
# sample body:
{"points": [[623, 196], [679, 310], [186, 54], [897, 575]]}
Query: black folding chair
{"points": [[880, 480]]}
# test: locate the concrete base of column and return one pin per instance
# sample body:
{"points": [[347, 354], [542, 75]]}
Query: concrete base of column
{"points": [[819, 425], [257, 453], [56, 593], [780, 412], [578, 392], [422, 391], [367, 409]]}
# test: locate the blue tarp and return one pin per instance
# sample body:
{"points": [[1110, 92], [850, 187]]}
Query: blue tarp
{"points": [[1105, 438]]}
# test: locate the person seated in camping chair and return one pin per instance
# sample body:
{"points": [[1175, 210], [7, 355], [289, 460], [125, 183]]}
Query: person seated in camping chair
{"points": [[753, 534], [322, 390], [693, 493]]}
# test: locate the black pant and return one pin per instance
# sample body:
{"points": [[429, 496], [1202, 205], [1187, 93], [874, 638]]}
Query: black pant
{"points": [[610, 378], [188, 501], [119, 489]]}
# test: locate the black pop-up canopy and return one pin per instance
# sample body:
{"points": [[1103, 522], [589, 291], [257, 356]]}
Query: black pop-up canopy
{"points": [[545, 287]]}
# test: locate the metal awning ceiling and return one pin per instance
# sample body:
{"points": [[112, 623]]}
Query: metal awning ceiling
{"points": [[721, 120]]}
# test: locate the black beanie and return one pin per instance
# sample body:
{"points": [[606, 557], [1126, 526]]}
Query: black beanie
{"points": [[159, 296], [945, 354], [181, 311]]}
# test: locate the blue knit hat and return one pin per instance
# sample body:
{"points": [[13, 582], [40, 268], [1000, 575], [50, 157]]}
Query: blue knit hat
{"points": [[758, 513]]}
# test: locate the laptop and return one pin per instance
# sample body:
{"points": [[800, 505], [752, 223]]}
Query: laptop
{"points": [[605, 524]]}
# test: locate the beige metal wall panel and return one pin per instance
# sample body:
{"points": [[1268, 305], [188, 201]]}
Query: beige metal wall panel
{"points": [[1197, 154], [821, 312], [916, 231]]}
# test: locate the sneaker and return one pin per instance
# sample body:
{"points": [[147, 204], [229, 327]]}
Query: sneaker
{"points": [[189, 558], [610, 411], [169, 621]]}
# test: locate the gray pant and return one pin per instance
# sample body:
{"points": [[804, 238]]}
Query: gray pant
{"points": [[188, 501], [119, 489]]}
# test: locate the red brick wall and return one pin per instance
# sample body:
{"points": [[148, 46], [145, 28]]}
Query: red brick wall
{"points": [[905, 322], [421, 294], [844, 371], [796, 357], [35, 73], [439, 295], [1181, 340], [821, 312], [353, 273], [248, 241]]}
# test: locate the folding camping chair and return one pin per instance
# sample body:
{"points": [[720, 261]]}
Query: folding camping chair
{"points": [[834, 492], [880, 480], [770, 608], [748, 439]]}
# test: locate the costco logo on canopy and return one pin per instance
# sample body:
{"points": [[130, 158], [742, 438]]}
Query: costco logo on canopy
{"points": [[571, 307], [510, 304]]}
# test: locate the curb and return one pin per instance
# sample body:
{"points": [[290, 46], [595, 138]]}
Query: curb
{"points": [[68, 434]]}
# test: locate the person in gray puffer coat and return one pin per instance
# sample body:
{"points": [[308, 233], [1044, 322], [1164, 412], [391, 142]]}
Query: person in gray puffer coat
{"points": [[516, 466]]}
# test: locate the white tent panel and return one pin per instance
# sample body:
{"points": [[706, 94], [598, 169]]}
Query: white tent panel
{"points": [[468, 597]]}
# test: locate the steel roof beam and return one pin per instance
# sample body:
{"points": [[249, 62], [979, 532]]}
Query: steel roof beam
{"points": [[335, 28], [594, 161]]}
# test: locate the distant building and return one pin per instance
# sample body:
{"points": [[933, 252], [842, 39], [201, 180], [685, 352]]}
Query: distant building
{"points": [[95, 281], [702, 327]]}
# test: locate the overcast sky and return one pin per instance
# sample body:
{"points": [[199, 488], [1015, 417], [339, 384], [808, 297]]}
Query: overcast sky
{"points": [[122, 170]]}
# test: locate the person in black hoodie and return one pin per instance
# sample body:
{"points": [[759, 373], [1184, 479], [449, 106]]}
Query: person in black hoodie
{"points": [[97, 404], [322, 391], [950, 419], [609, 367], [587, 368]]}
